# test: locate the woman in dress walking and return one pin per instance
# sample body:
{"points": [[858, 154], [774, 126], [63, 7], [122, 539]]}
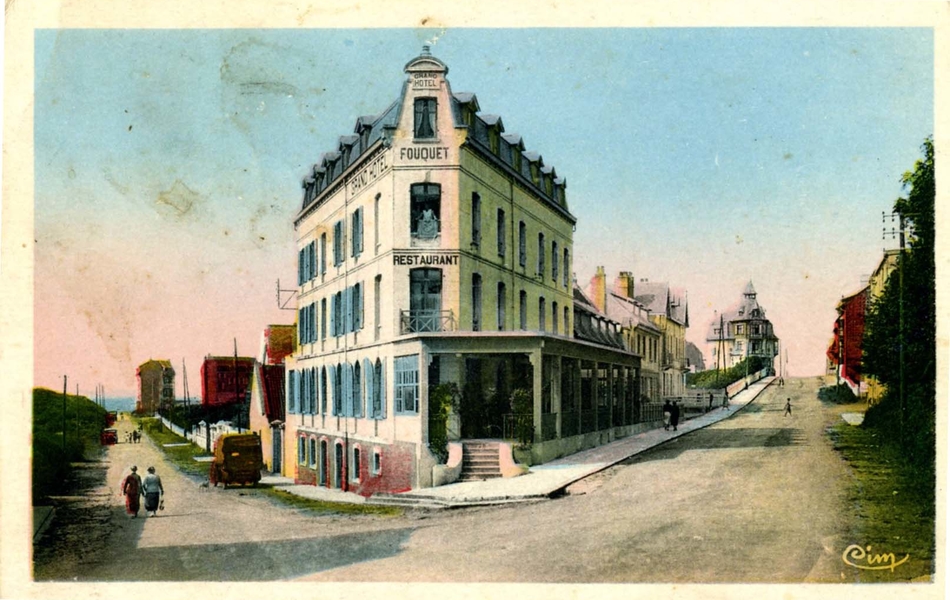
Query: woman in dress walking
{"points": [[131, 488], [153, 491]]}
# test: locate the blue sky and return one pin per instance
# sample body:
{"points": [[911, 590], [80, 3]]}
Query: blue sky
{"points": [[704, 157]]}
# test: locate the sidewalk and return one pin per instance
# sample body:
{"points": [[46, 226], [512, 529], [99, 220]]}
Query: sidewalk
{"points": [[541, 481]]}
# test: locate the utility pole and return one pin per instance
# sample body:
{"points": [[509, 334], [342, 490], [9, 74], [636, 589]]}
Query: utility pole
{"points": [[901, 234], [64, 416], [900, 330]]}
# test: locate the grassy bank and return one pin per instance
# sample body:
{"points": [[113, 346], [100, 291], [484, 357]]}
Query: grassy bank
{"points": [[183, 457], [52, 452], [893, 509], [321, 507]]}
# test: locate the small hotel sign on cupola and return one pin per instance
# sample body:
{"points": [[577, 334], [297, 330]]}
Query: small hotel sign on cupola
{"points": [[425, 81]]}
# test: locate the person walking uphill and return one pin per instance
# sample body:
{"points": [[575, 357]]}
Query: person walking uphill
{"points": [[153, 491], [788, 407], [131, 488], [675, 415]]}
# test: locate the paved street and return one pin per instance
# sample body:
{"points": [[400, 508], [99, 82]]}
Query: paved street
{"points": [[757, 497]]}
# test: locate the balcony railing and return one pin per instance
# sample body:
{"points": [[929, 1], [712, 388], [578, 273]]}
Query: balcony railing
{"points": [[418, 321]]}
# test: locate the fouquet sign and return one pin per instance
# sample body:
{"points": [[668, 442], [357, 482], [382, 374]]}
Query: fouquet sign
{"points": [[424, 153], [415, 259]]}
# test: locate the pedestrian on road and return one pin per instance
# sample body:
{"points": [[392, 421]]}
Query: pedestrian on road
{"points": [[788, 407], [136, 436], [667, 413], [131, 488], [675, 415], [153, 491]]}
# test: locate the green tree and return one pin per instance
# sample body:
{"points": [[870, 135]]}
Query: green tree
{"points": [[909, 298]]}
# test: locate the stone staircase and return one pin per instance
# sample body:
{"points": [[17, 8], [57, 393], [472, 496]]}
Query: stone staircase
{"points": [[479, 461]]}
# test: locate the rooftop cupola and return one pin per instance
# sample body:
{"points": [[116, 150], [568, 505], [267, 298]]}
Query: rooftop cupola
{"points": [[426, 63], [749, 291]]}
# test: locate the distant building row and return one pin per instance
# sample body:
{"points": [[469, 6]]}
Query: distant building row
{"points": [[845, 352], [225, 380]]}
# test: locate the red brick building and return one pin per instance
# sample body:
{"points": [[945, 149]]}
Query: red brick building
{"points": [[845, 352], [225, 379]]}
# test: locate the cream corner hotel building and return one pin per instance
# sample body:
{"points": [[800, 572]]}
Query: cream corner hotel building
{"points": [[433, 248]]}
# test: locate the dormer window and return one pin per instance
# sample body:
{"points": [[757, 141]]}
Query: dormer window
{"points": [[425, 127], [493, 139], [364, 137]]}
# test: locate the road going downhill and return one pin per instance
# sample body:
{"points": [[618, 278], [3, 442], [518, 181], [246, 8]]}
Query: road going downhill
{"points": [[755, 498], [758, 497]]}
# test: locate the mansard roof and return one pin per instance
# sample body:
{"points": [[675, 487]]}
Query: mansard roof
{"points": [[382, 125], [592, 325], [661, 299]]}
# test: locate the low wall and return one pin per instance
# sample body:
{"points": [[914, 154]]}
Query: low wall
{"points": [[542, 452], [199, 435]]}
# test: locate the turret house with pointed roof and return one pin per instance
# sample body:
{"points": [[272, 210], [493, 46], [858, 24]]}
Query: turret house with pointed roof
{"points": [[435, 253], [740, 332]]}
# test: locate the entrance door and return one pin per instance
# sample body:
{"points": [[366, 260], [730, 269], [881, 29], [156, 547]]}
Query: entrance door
{"points": [[338, 472], [323, 463], [425, 300], [277, 450]]}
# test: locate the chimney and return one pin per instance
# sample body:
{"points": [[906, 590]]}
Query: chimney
{"points": [[598, 289], [623, 285]]}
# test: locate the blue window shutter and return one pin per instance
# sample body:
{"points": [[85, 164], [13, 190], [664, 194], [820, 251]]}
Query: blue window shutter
{"points": [[368, 388], [323, 254], [360, 213], [309, 404], [358, 301], [348, 307], [333, 315], [305, 405], [322, 389], [294, 401], [313, 391], [305, 392], [347, 399], [300, 267], [313, 260], [313, 322], [362, 296], [306, 324], [331, 389], [290, 392], [382, 388]]}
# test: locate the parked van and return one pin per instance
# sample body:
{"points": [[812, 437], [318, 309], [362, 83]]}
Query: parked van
{"points": [[109, 437], [237, 459]]}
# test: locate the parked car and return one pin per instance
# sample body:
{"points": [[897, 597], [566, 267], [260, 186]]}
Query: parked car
{"points": [[111, 418], [238, 459], [109, 437]]}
